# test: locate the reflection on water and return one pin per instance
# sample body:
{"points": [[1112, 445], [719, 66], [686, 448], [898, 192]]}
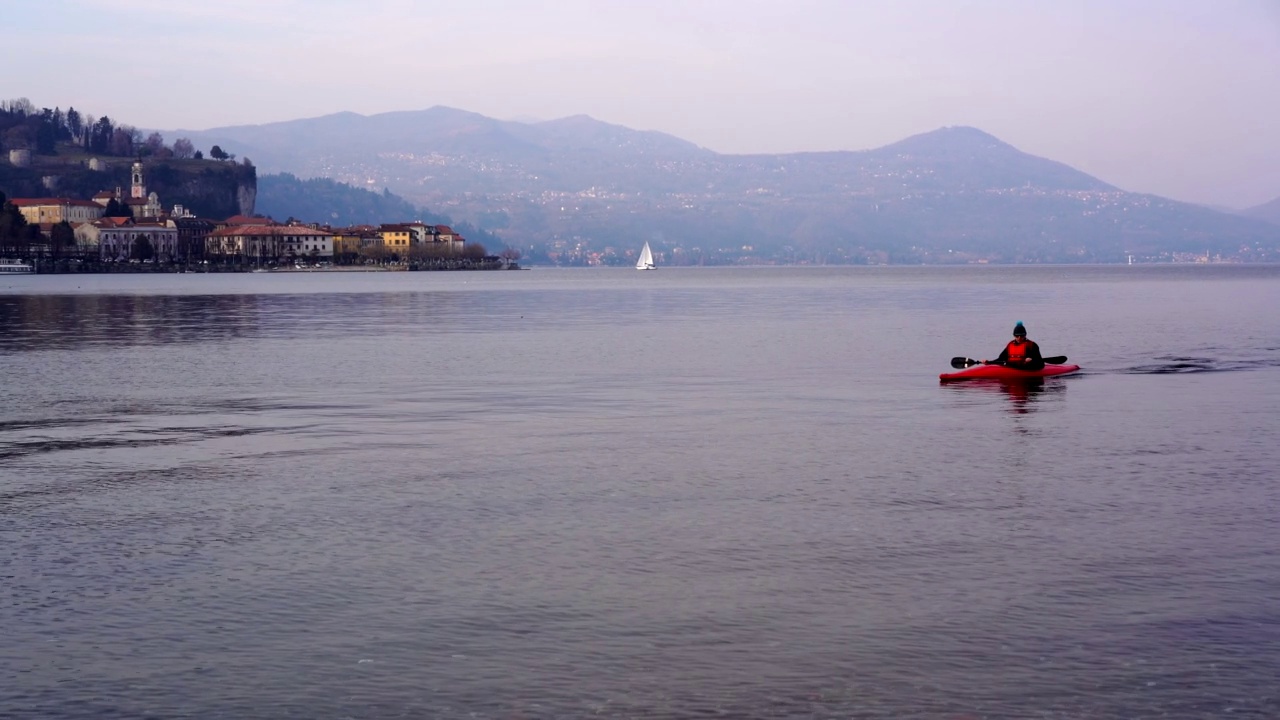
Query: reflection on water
{"points": [[46, 322], [733, 494], [1023, 395]]}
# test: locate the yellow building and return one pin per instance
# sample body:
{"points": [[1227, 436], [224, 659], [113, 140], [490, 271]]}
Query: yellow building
{"points": [[345, 242], [42, 211], [396, 238], [357, 239]]}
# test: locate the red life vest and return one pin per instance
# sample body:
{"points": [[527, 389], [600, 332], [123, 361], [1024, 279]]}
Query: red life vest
{"points": [[1017, 351]]}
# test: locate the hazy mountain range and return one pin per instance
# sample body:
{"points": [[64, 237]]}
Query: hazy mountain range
{"points": [[1269, 211], [953, 195]]}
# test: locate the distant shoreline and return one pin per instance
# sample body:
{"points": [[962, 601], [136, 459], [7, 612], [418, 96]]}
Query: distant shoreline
{"points": [[46, 268]]}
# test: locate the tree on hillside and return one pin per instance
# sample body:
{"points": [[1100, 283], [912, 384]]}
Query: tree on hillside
{"points": [[183, 149], [75, 124], [329, 201], [199, 155], [86, 132], [153, 144], [46, 133], [121, 143], [217, 153], [21, 107], [20, 137], [100, 135], [60, 125]]}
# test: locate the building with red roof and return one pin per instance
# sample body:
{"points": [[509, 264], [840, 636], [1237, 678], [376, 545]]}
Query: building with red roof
{"points": [[116, 238], [41, 211], [268, 243]]}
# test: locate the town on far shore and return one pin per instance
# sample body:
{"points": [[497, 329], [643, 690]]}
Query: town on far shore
{"points": [[117, 231]]}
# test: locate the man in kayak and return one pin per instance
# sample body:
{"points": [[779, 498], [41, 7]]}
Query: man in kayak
{"points": [[1020, 353]]}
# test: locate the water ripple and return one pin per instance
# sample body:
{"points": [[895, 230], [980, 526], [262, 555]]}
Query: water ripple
{"points": [[639, 497]]}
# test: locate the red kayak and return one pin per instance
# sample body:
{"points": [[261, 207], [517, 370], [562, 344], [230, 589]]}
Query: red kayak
{"points": [[1000, 372]]}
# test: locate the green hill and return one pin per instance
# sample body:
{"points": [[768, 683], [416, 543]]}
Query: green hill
{"points": [[208, 188], [321, 200], [326, 201]]}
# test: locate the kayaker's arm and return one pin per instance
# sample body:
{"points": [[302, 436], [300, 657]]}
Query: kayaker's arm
{"points": [[1033, 352]]}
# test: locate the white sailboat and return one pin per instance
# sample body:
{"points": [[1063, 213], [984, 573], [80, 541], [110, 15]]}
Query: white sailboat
{"points": [[646, 259]]}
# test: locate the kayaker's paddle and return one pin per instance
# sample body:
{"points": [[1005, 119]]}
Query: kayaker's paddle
{"points": [[964, 362]]}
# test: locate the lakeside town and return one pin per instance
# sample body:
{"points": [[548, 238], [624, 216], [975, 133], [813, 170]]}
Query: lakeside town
{"points": [[131, 231]]}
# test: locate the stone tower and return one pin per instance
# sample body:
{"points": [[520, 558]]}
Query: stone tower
{"points": [[139, 189]]}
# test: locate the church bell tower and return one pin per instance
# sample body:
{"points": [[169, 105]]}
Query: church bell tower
{"points": [[139, 189]]}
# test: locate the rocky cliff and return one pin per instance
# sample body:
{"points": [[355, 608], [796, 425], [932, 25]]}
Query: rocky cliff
{"points": [[208, 188]]}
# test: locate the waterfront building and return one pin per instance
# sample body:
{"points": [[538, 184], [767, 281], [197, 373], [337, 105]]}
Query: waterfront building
{"points": [[51, 211], [192, 235], [352, 241], [399, 237], [116, 239], [268, 243], [396, 238], [453, 242]]}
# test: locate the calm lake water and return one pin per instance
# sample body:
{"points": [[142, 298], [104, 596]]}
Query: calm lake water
{"points": [[733, 493]]}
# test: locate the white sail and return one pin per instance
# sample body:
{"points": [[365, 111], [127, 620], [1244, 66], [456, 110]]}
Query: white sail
{"points": [[646, 259]]}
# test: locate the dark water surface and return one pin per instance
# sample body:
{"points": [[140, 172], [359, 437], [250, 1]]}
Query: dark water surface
{"points": [[600, 493]]}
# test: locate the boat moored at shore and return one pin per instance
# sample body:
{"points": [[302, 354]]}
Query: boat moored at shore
{"points": [[15, 267]]}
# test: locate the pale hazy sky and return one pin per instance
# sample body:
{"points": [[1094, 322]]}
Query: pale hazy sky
{"points": [[1179, 98]]}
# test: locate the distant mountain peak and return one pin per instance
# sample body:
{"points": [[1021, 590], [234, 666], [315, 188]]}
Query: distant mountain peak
{"points": [[952, 194], [1269, 211], [960, 139], [965, 131], [443, 110], [580, 117], [967, 157]]}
